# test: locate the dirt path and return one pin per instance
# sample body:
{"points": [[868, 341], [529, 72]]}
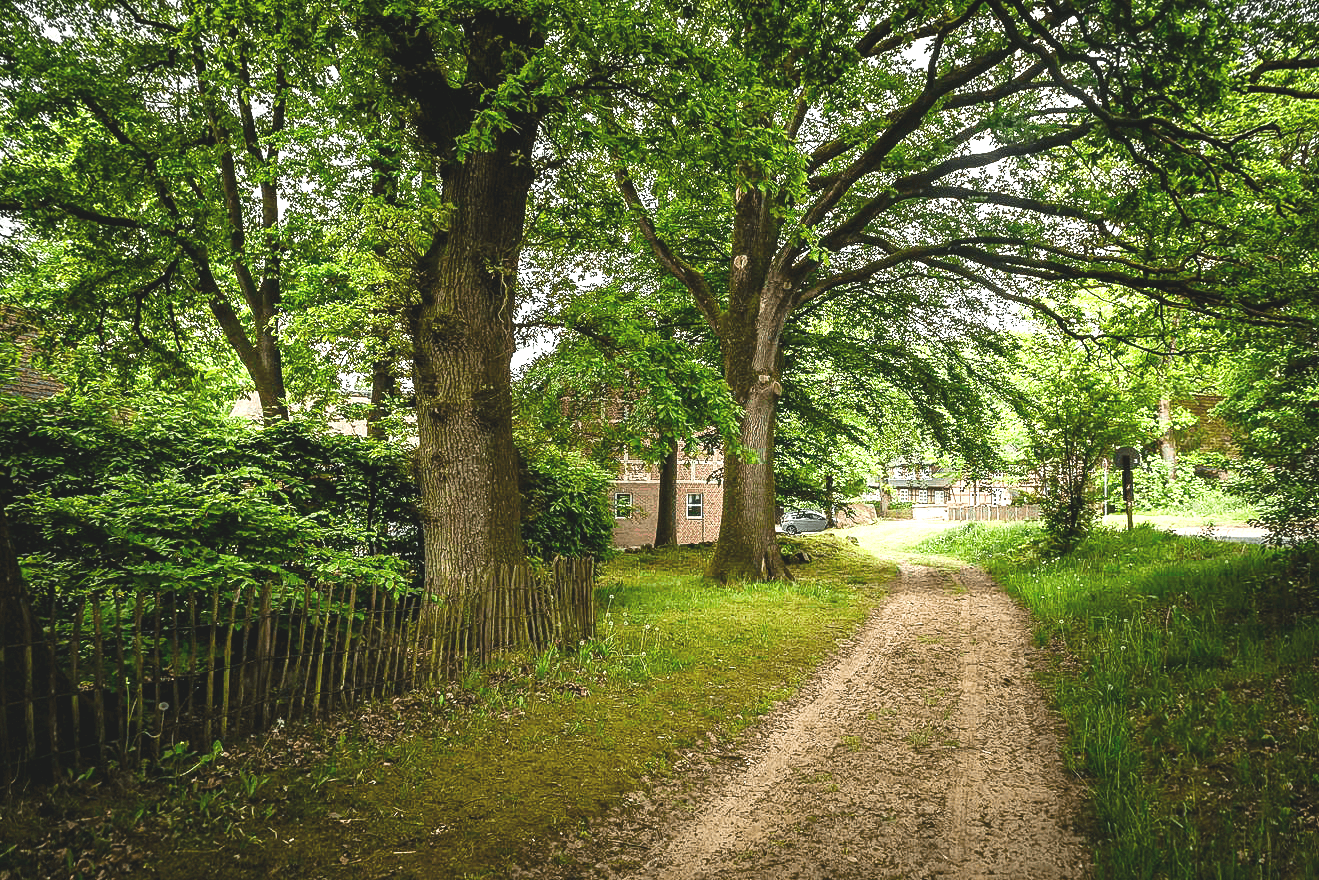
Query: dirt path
{"points": [[924, 750]]}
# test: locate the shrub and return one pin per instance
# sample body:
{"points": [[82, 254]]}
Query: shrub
{"points": [[1274, 406], [565, 502], [162, 496], [1080, 416], [1189, 494]]}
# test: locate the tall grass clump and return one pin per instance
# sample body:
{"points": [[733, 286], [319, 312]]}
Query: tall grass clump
{"points": [[1185, 669]]}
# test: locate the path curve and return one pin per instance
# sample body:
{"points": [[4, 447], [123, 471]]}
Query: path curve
{"points": [[924, 750]]}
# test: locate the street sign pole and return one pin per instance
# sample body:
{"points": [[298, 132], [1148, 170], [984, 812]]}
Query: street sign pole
{"points": [[1128, 492], [1126, 458]]}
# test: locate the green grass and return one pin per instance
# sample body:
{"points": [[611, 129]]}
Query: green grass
{"points": [[1173, 520], [1186, 671], [452, 783]]}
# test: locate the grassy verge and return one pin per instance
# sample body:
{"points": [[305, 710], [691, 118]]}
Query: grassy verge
{"points": [[1186, 670], [1173, 520], [455, 782]]}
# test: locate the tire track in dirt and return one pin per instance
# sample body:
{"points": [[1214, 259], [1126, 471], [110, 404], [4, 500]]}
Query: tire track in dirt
{"points": [[924, 750]]}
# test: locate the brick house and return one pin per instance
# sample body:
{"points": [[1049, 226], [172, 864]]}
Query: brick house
{"points": [[635, 498]]}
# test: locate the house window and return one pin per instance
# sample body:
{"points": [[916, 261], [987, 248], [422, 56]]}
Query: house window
{"points": [[622, 505], [925, 496], [904, 494], [695, 505]]}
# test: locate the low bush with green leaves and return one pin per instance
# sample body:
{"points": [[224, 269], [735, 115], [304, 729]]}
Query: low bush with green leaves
{"points": [[1273, 406], [566, 506], [1189, 494], [160, 497]]}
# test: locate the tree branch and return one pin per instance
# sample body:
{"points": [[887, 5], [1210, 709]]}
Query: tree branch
{"points": [[1037, 206], [231, 192], [902, 124], [913, 185], [693, 280], [94, 216], [1302, 94], [139, 18], [1283, 64]]}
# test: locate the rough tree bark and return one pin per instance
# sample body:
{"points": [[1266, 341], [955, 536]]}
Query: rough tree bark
{"points": [[747, 548], [462, 336], [666, 518], [750, 333], [462, 322], [829, 519]]}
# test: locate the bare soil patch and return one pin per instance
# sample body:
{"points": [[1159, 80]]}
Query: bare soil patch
{"points": [[924, 749]]}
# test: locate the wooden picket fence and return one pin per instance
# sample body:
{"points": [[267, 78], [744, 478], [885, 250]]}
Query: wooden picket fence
{"points": [[123, 677], [994, 513]]}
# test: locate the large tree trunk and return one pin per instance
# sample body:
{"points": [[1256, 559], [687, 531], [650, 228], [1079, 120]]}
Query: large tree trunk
{"points": [[750, 337], [273, 394], [462, 345], [462, 324], [760, 298], [747, 548], [384, 388], [262, 360], [1167, 447], [666, 518], [829, 519]]}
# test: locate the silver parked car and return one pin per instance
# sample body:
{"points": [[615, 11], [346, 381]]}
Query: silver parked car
{"points": [[795, 521]]}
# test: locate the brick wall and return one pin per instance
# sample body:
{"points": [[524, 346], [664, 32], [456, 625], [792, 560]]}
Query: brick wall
{"points": [[1209, 432], [26, 381], [641, 482]]}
